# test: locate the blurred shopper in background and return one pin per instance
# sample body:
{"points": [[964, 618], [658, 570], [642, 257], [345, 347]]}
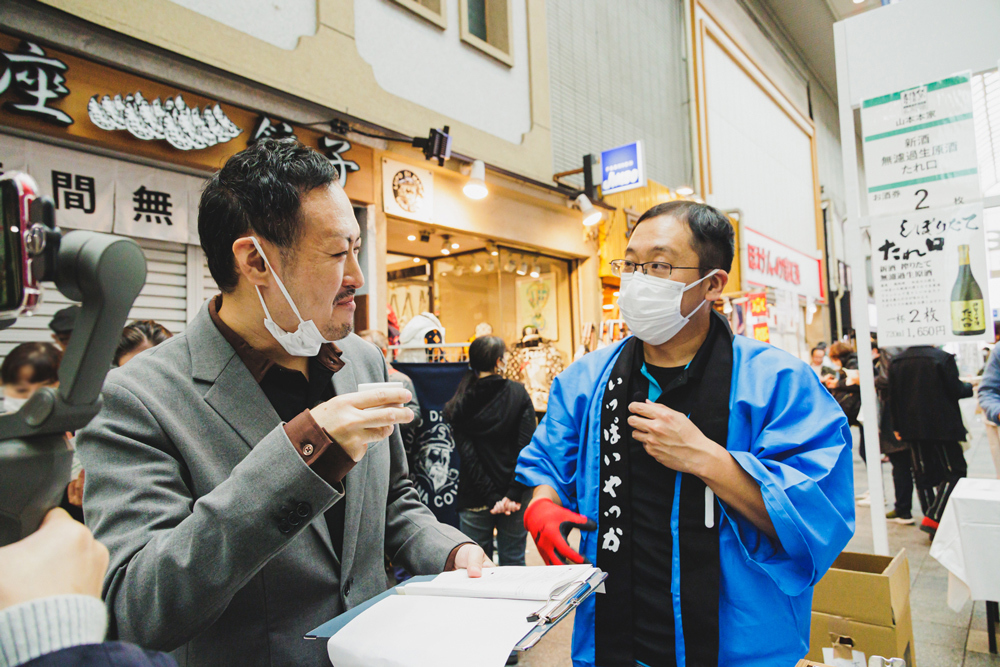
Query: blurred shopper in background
{"points": [[492, 420], [62, 325], [139, 336], [845, 387], [989, 388], [28, 368], [925, 390], [897, 451]]}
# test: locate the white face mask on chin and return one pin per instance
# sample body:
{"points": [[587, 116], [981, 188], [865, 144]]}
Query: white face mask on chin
{"points": [[11, 404], [306, 340], [651, 307]]}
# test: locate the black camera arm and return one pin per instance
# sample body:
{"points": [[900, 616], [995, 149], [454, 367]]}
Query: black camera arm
{"points": [[105, 273]]}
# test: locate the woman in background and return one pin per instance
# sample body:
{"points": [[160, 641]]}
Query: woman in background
{"points": [[492, 420], [137, 337], [28, 368]]}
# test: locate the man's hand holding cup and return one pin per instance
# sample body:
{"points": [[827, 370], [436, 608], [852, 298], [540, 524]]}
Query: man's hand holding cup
{"points": [[356, 420]]}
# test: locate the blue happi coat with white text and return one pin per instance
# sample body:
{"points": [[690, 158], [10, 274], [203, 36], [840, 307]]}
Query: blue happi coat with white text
{"points": [[788, 433]]}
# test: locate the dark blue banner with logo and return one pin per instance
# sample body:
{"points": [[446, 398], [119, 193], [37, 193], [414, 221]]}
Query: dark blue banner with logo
{"points": [[430, 450]]}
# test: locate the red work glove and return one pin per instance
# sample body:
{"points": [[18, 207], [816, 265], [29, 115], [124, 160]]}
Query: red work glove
{"points": [[550, 525]]}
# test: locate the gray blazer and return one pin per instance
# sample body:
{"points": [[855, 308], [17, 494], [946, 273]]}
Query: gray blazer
{"points": [[189, 473]]}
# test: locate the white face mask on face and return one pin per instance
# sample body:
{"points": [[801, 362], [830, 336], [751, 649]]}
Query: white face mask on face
{"points": [[306, 340], [651, 307], [13, 404]]}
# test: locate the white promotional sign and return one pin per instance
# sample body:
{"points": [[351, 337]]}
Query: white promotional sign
{"points": [[920, 147], [81, 185], [151, 203], [13, 154], [771, 263], [931, 276], [407, 191]]}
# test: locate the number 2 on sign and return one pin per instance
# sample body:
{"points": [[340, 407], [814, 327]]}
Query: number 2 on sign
{"points": [[920, 204]]}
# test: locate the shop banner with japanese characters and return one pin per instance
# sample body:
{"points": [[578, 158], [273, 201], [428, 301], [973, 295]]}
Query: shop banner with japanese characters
{"points": [[920, 147], [771, 263], [931, 276], [81, 185], [151, 204], [757, 317]]}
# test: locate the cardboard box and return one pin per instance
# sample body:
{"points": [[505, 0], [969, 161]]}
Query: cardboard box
{"points": [[862, 604]]}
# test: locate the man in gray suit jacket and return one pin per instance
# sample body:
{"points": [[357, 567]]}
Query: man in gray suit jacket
{"points": [[246, 491]]}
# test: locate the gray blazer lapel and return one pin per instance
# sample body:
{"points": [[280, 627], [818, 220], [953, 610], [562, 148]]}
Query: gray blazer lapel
{"points": [[345, 382], [233, 394]]}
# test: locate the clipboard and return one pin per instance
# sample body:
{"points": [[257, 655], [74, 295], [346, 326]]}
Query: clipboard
{"points": [[585, 590], [543, 626]]}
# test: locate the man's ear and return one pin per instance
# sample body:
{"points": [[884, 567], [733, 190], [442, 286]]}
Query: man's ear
{"points": [[716, 285], [249, 263]]}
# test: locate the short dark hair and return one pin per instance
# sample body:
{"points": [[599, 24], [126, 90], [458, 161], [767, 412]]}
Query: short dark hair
{"points": [[137, 333], [714, 238], [259, 191], [43, 358]]}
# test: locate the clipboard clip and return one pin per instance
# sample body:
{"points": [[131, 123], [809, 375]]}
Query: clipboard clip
{"points": [[545, 621]]}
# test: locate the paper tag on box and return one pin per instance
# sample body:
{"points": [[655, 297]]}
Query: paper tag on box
{"points": [[835, 658]]}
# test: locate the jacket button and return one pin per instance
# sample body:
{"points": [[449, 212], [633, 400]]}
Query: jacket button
{"points": [[303, 509], [347, 589], [284, 526], [307, 449], [293, 519]]}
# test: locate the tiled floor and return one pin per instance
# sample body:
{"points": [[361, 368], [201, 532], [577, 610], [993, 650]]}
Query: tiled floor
{"points": [[941, 635]]}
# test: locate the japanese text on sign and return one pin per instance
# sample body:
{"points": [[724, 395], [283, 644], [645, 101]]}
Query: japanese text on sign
{"points": [[920, 147], [931, 278]]}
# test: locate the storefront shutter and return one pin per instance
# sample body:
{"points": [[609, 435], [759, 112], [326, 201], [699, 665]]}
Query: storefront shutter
{"points": [[162, 298]]}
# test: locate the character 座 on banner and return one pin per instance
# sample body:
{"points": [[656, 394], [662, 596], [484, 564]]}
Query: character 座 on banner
{"points": [[930, 271]]}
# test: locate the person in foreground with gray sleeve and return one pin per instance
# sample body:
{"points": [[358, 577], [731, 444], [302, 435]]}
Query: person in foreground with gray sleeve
{"points": [[989, 387], [246, 491]]}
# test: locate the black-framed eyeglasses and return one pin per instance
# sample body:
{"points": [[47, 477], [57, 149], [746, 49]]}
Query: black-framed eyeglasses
{"points": [[656, 269]]}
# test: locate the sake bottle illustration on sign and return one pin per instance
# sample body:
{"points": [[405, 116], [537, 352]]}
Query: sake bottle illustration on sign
{"points": [[968, 311]]}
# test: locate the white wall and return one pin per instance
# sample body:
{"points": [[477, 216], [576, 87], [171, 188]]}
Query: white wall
{"points": [[277, 22], [418, 61], [761, 160], [617, 74]]}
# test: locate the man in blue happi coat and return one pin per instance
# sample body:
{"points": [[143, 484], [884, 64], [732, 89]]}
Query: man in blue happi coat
{"points": [[711, 473]]}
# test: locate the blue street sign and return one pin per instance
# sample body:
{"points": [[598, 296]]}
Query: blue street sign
{"points": [[622, 168]]}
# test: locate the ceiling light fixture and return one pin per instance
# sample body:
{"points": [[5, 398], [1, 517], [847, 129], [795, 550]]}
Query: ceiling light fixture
{"points": [[609, 306], [535, 270], [490, 265], [523, 269], [510, 266], [476, 187], [425, 236], [445, 250], [416, 260], [476, 266], [591, 216], [454, 246], [411, 237], [491, 248], [685, 191], [460, 270]]}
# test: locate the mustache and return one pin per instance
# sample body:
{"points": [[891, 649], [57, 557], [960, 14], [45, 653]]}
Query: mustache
{"points": [[346, 294]]}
